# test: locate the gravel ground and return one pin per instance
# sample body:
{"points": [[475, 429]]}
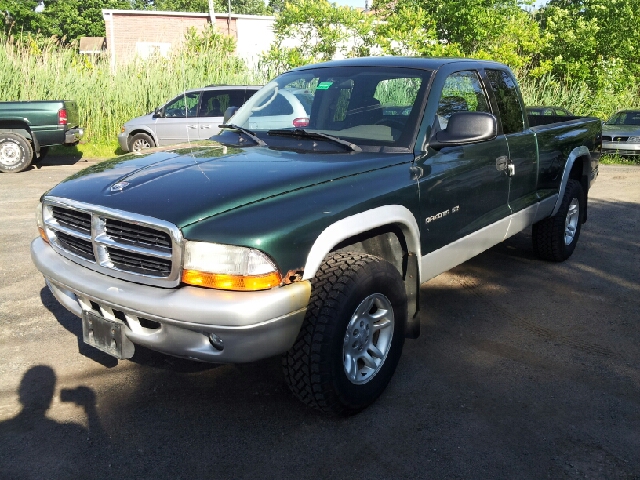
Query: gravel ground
{"points": [[524, 369]]}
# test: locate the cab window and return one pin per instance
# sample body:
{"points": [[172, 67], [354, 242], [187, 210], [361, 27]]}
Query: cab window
{"points": [[508, 100], [462, 92]]}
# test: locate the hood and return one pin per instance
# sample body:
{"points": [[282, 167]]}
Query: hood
{"points": [[621, 130], [185, 184], [143, 120]]}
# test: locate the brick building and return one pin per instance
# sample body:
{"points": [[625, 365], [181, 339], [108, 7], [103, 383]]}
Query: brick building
{"points": [[132, 33]]}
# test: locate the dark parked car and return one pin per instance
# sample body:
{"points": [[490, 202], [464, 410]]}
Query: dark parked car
{"points": [[558, 111], [621, 133]]}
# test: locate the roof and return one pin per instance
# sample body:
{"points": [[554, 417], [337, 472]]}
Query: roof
{"points": [[221, 15], [223, 87], [93, 44], [423, 63]]}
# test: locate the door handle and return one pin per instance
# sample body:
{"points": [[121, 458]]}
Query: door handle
{"points": [[192, 126], [502, 162], [205, 126], [511, 170]]}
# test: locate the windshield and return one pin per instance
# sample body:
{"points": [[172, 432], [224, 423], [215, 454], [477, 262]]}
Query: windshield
{"points": [[625, 118], [366, 105]]}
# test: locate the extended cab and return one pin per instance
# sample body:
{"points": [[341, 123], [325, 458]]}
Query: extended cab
{"points": [[312, 242], [28, 129]]}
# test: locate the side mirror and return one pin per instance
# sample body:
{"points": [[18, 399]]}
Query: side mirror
{"points": [[228, 113], [465, 128], [158, 112]]}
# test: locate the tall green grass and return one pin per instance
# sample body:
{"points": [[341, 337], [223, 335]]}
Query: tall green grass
{"points": [[577, 98], [107, 99]]}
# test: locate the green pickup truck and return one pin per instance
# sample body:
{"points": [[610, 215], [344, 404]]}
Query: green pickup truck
{"points": [[28, 129], [311, 241]]}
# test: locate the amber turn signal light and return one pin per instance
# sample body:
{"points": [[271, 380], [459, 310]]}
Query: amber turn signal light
{"points": [[43, 234], [231, 282]]}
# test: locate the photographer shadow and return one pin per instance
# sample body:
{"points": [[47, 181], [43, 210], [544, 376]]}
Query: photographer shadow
{"points": [[74, 451], [74, 325], [142, 356]]}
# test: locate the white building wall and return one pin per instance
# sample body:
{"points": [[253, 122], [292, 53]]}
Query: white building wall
{"points": [[255, 36]]}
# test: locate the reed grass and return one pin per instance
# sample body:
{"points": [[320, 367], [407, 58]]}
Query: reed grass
{"points": [[578, 98], [107, 99]]}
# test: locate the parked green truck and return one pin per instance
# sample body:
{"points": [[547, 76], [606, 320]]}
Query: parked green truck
{"points": [[312, 242], [28, 129]]}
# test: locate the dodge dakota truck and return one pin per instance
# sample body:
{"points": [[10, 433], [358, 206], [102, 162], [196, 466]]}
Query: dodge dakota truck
{"points": [[311, 241], [28, 129]]}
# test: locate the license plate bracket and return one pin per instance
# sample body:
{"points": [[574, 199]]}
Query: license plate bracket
{"points": [[106, 335]]}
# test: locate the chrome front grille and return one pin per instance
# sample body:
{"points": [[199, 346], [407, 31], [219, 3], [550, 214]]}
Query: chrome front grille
{"points": [[608, 138], [138, 235], [77, 245], [124, 245]]}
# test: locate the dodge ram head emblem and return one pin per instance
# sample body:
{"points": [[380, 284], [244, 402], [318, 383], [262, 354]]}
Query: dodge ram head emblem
{"points": [[118, 187]]}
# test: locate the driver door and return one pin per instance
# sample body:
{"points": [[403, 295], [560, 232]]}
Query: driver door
{"points": [[180, 121], [463, 188]]}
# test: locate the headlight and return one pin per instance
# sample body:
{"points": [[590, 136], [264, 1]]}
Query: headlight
{"points": [[633, 139], [40, 223], [228, 267]]}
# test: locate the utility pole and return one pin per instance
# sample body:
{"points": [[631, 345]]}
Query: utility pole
{"points": [[212, 14]]}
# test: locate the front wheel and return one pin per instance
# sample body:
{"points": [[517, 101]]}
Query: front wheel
{"points": [[15, 153], [352, 336], [555, 238], [140, 141]]}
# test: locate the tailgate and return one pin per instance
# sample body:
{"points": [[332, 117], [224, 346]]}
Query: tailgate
{"points": [[72, 114]]}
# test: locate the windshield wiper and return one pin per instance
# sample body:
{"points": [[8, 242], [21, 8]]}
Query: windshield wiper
{"points": [[248, 133], [301, 132]]}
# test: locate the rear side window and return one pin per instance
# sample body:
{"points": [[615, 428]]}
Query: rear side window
{"points": [[508, 100], [277, 105], [215, 102]]}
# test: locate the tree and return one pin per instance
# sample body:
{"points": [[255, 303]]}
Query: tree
{"points": [[66, 20], [320, 31], [245, 7], [596, 41], [19, 15]]}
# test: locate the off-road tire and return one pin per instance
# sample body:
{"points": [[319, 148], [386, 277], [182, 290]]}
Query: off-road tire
{"points": [[140, 141], [15, 153], [549, 234], [314, 366]]}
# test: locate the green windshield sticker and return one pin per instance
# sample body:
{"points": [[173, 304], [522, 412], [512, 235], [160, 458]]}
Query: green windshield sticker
{"points": [[324, 85]]}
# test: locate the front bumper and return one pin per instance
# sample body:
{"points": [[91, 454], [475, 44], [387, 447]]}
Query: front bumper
{"points": [[252, 325], [123, 141], [73, 136], [620, 148]]}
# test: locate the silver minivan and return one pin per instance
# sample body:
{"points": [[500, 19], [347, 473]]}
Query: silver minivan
{"points": [[192, 115]]}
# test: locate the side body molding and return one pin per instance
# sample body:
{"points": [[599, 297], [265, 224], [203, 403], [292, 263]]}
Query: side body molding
{"points": [[577, 152], [359, 223]]}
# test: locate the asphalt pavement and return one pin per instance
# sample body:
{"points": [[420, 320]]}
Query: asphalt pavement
{"points": [[524, 369]]}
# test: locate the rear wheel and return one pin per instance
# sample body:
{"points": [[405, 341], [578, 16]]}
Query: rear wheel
{"points": [[352, 336], [140, 141], [15, 153], [555, 238]]}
